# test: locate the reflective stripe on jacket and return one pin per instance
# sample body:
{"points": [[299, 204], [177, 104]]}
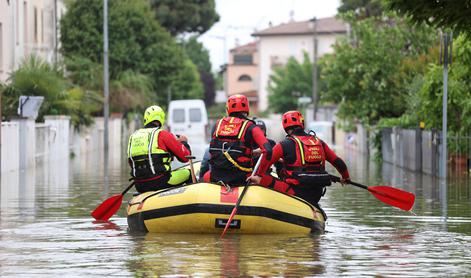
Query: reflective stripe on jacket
{"points": [[145, 156]]}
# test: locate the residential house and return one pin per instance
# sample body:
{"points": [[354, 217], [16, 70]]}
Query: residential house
{"points": [[241, 73], [278, 43], [28, 27]]}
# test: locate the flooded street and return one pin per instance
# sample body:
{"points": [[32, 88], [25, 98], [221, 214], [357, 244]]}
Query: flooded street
{"points": [[46, 230]]}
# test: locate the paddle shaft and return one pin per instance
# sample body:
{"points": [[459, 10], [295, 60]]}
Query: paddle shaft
{"points": [[234, 210], [127, 188], [192, 170], [337, 179]]}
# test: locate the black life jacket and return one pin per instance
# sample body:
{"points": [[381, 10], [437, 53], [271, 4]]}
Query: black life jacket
{"points": [[228, 147]]}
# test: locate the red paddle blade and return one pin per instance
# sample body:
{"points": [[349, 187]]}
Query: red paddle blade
{"points": [[109, 207], [393, 196]]}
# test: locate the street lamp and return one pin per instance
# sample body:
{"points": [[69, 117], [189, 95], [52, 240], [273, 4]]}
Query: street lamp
{"points": [[313, 26]]}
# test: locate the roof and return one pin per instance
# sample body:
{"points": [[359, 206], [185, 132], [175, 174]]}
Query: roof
{"points": [[323, 26], [246, 48]]}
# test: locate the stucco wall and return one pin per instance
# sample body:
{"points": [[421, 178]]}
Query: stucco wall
{"points": [[278, 49], [235, 86]]}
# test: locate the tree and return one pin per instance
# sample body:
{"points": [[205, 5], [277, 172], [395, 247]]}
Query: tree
{"points": [[364, 77], [131, 91], [430, 95], [136, 41], [454, 14], [209, 86], [199, 55], [37, 78], [364, 8], [187, 84], [180, 16], [288, 83]]}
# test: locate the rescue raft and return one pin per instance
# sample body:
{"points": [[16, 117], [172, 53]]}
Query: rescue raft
{"points": [[205, 208]]}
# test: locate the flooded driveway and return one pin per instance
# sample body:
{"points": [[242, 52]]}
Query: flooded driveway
{"points": [[46, 230]]}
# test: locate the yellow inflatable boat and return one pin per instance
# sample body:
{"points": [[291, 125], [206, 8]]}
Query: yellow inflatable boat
{"points": [[205, 208]]}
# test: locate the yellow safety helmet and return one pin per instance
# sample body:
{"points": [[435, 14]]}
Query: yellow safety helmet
{"points": [[154, 113]]}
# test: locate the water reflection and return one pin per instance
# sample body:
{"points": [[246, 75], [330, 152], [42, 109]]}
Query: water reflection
{"points": [[234, 256]]}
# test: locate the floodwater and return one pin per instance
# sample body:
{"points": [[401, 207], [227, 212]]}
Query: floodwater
{"points": [[46, 231]]}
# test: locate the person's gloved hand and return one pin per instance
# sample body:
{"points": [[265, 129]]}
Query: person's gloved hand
{"points": [[181, 138], [344, 181], [254, 179]]}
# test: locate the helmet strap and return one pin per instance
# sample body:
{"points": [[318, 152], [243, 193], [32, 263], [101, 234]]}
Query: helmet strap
{"points": [[153, 124]]}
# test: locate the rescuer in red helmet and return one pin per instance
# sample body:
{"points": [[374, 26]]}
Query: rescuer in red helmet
{"points": [[304, 157], [233, 140]]}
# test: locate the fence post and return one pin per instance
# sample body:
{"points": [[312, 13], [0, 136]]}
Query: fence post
{"points": [[59, 126], [26, 142], [418, 149], [10, 147]]}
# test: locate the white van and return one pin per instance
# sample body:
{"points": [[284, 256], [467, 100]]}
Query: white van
{"points": [[188, 117]]}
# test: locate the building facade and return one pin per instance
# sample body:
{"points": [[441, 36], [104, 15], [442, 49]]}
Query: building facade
{"points": [[28, 27], [242, 73], [278, 43]]}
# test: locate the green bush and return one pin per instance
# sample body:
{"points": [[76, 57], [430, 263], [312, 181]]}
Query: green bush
{"points": [[35, 77]]}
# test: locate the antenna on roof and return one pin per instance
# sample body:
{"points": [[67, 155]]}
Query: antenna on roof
{"points": [[291, 16]]}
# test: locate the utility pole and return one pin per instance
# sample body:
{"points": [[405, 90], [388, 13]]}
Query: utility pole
{"points": [[55, 33], [1, 92], [106, 92], [313, 24], [445, 58]]}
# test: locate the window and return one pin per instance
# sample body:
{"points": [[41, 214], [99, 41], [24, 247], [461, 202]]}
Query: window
{"points": [[179, 115], [245, 77], [195, 115], [242, 59]]}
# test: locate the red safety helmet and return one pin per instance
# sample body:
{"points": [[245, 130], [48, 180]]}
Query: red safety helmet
{"points": [[292, 118], [237, 103]]}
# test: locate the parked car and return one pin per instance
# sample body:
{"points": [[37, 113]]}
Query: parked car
{"points": [[323, 129], [190, 118]]}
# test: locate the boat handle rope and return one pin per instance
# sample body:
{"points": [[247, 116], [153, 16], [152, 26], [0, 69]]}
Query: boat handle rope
{"points": [[226, 186]]}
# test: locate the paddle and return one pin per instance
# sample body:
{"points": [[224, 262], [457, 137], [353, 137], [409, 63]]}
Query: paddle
{"points": [[234, 210], [110, 206], [192, 170], [389, 195]]}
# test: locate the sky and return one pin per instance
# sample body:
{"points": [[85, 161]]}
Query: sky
{"points": [[238, 19]]}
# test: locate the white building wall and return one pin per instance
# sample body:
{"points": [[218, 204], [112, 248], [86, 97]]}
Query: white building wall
{"points": [[278, 49], [27, 27], [6, 39]]}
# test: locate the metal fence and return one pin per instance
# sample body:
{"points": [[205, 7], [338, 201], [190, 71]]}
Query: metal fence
{"points": [[459, 153], [420, 150]]}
